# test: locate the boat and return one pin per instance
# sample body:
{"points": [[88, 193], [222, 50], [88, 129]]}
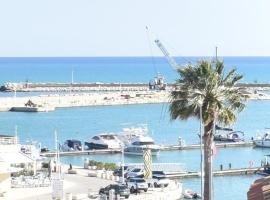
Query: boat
{"points": [[189, 194], [233, 136], [103, 141], [71, 145], [139, 144], [263, 141], [128, 134], [228, 135]]}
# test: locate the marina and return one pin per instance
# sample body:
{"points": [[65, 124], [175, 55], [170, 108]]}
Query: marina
{"points": [[97, 117]]}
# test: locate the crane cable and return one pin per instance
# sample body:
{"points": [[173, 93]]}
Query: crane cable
{"points": [[151, 51]]}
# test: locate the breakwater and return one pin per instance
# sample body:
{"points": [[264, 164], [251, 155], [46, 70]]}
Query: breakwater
{"points": [[63, 87]]}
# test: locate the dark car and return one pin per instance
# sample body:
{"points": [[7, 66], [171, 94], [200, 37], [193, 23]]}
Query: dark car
{"points": [[123, 190], [118, 172], [158, 173]]}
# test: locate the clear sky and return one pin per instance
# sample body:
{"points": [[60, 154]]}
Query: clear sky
{"points": [[117, 27]]}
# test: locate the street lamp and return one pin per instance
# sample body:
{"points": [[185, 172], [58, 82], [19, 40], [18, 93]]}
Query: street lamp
{"points": [[201, 148], [123, 163]]}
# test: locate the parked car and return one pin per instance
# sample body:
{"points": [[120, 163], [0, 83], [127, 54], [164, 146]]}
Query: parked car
{"points": [[135, 172], [118, 172], [159, 173], [136, 184], [160, 180], [123, 190]]}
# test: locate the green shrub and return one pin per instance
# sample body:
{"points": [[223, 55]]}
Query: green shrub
{"points": [[101, 165], [45, 165]]}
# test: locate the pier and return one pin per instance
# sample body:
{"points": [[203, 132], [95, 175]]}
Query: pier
{"points": [[84, 152], [197, 146], [227, 172], [163, 148]]}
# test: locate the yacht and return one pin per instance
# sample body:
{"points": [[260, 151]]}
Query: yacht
{"points": [[103, 141], [263, 141], [72, 145], [229, 137], [130, 133], [139, 144]]}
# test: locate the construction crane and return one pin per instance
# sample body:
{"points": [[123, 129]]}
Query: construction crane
{"points": [[159, 81], [170, 60], [167, 55]]}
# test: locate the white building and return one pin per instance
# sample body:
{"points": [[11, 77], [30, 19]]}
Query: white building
{"points": [[11, 157]]}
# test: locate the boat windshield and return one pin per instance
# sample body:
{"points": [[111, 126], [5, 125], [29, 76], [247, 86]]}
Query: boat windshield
{"points": [[108, 137], [143, 143]]}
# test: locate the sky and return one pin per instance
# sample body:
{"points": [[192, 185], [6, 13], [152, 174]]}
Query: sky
{"points": [[117, 27]]}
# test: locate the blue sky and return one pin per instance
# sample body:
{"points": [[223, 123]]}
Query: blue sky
{"points": [[117, 27]]}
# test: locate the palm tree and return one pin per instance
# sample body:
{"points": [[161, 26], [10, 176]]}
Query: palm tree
{"points": [[206, 87]]}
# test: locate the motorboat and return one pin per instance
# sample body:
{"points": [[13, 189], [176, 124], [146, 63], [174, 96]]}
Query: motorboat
{"points": [[263, 141], [71, 145], [103, 141], [129, 133], [233, 136], [139, 144], [189, 194]]}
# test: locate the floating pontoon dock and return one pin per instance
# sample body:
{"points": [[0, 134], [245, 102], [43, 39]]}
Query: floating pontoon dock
{"points": [[163, 148], [227, 172]]}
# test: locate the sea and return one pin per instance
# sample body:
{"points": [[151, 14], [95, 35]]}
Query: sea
{"points": [[84, 122]]}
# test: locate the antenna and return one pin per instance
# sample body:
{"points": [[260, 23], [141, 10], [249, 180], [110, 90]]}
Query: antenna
{"points": [[216, 50], [72, 76]]}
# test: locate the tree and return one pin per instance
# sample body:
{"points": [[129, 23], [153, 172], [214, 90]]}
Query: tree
{"points": [[206, 87]]}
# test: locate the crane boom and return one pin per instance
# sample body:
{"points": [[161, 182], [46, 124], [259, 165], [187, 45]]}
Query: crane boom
{"points": [[170, 60]]}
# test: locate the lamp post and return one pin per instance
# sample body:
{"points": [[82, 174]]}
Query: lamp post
{"points": [[201, 148], [122, 164]]}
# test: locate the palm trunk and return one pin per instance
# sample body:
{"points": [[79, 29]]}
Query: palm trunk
{"points": [[207, 140]]}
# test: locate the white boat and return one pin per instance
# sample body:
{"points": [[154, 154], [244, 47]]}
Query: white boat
{"points": [[263, 141], [139, 144], [128, 134], [103, 141], [189, 194]]}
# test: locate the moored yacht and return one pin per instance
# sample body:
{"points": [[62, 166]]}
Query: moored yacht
{"points": [[139, 144], [263, 141], [72, 145], [103, 141]]}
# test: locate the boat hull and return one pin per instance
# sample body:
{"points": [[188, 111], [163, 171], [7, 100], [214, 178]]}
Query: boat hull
{"points": [[262, 143], [154, 152], [91, 145]]}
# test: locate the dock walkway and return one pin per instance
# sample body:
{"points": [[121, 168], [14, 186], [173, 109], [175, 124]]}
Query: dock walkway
{"points": [[228, 172], [163, 148], [197, 146]]}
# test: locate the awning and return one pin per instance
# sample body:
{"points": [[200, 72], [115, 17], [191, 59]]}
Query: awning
{"points": [[15, 158]]}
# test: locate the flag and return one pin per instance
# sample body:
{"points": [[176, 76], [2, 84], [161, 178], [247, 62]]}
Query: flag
{"points": [[213, 150]]}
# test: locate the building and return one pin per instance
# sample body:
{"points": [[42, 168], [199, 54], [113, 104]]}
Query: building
{"points": [[11, 160]]}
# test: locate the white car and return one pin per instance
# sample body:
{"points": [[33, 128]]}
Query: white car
{"points": [[159, 181], [136, 184], [135, 172]]}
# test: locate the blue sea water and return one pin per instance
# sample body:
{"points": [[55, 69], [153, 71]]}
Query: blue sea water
{"points": [[117, 69], [84, 122]]}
